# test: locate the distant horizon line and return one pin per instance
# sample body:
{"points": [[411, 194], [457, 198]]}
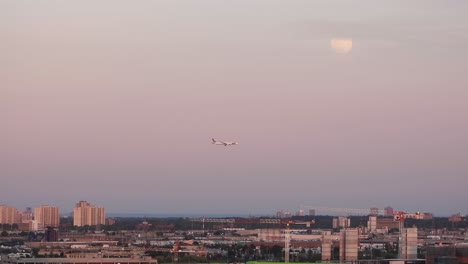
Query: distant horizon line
{"points": [[213, 215]]}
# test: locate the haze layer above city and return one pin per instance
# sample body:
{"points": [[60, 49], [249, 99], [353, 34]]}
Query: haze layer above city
{"points": [[352, 104]]}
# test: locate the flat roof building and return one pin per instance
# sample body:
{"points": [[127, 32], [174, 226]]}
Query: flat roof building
{"points": [[327, 246], [372, 223], [349, 244], [8, 215], [134, 260], [408, 243], [85, 213], [341, 222], [47, 215], [388, 223]]}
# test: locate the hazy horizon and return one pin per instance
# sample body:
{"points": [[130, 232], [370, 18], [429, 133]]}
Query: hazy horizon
{"points": [[352, 104]]}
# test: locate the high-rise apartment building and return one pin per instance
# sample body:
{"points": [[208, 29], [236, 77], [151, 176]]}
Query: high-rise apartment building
{"points": [[372, 223], [327, 243], [341, 222], [8, 215], [46, 216], [349, 244], [85, 213], [408, 246]]}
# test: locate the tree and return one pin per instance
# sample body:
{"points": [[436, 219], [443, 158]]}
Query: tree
{"points": [[4, 233], [277, 251]]}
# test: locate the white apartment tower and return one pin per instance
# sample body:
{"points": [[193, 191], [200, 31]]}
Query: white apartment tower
{"points": [[86, 214]]}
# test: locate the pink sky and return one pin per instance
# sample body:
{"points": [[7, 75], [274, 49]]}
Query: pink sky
{"points": [[116, 102]]}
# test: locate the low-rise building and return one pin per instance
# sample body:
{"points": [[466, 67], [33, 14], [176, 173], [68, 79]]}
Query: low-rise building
{"points": [[133, 260]]}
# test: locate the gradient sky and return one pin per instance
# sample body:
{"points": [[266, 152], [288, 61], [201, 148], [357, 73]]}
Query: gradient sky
{"points": [[116, 102]]}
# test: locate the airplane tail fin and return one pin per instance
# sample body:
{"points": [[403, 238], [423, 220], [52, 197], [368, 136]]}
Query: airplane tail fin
{"points": [[214, 141]]}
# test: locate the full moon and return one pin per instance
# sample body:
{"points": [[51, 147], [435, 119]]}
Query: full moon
{"points": [[341, 46]]}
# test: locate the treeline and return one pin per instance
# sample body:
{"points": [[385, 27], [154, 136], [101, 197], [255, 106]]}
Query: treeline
{"points": [[319, 222], [187, 224]]}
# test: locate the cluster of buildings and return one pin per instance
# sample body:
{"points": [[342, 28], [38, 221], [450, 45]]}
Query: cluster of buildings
{"points": [[45, 216], [30, 219], [387, 211], [350, 242], [345, 245]]}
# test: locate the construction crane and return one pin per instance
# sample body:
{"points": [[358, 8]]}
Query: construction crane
{"points": [[374, 211]]}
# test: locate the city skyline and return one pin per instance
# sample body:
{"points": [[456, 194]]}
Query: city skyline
{"points": [[280, 213], [338, 104]]}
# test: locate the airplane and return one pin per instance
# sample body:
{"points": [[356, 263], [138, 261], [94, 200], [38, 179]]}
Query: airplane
{"points": [[226, 144]]}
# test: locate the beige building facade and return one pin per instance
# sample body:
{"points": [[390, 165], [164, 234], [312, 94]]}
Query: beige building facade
{"points": [[46, 215], [341, 222], [85, 213], [8, 215], [327, 246], [349, 244]]}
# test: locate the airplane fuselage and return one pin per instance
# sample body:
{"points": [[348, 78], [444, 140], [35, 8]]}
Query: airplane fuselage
{"points": [[223, 143]]}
